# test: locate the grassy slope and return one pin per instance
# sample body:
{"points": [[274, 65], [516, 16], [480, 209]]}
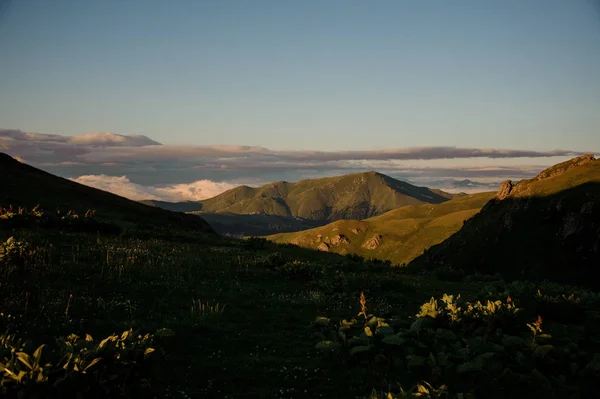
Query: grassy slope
{"points": [[353, 196], [24, 185], [406, 232], [543, 226]]}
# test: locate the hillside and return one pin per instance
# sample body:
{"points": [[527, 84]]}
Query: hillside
{"points": [[547, 227], [26, 186], [398, 235], [233, 225], [354, 196]]}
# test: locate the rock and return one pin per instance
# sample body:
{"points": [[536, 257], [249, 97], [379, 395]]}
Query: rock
{"points": [[355, 231], [373, 242], [339, 239], [587, 208], [323, 247], [572, 223], [319, 236], [505, 189]]}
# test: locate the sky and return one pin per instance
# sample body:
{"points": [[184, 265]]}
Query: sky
{"points": [[289, 77]]}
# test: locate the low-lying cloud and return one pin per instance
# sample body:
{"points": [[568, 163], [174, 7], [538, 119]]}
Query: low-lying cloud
{"points": [[124, 187], [139, 167]]}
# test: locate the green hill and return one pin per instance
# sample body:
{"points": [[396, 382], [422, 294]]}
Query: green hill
{"points": [[398, 235], [354, 196], [547, 227], [26, 186]]}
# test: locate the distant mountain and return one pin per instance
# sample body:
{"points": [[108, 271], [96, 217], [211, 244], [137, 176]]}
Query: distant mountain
{"points": [[26, 186], [398, 235], [353, 196], [547, 227]]}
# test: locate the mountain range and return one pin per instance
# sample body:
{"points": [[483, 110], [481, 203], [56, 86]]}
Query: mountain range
{"points": [[284, 206]]}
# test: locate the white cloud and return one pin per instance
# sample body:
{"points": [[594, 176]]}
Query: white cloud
{"points": [[124, 187]]}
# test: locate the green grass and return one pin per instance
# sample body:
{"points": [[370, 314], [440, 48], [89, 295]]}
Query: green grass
{"points": [[406, 232]]}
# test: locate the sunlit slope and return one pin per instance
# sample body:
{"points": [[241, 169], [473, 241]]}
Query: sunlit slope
{"points": [[398, 235], [545, 227]]}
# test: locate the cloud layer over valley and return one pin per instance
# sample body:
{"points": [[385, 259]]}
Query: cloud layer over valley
{"points": [[138, 167]]}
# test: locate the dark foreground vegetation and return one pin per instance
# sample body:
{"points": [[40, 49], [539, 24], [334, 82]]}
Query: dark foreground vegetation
{"points": [[86, 312]]}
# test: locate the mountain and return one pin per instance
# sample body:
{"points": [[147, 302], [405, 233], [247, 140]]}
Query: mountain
{"points": [[398, 235], [547, 227], [26, 186], [354, 196]]}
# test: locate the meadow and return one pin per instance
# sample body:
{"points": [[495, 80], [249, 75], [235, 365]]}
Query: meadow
{"points": [[86, 314]]}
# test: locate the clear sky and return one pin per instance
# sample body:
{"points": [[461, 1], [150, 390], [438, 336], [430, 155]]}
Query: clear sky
{"points": [[313, 75]]}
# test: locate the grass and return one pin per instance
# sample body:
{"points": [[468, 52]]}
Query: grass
{"points": [[239, 317], [406, 232]]}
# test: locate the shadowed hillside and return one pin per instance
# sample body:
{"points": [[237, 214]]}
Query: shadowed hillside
{"points": [[355, 196], [230, 224], [398, 235], [547, 227], [24, 185]]}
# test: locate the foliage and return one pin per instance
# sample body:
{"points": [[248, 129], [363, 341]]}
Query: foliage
{"points": [[75, 365], [11, 218], [480, 348]]}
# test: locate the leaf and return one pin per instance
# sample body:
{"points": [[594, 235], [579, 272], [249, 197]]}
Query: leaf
{"points": [[368, 332], [25, 359], [92, 363], [88, 338], [542, 350], [125, 335], [422, 389], [359, 349], [322, 321], [165, 332], [415, 361], [393, 340], [328, 346], [104, 341], [384, 330], [416, 326], [148, 351], [37, 355]]}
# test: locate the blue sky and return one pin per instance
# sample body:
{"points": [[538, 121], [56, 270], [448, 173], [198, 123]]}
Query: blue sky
{"points": [[297, 75], [327, 75]]}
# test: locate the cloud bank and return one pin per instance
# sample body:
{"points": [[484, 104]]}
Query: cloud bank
{"points": [[138, 167], [124, 187]]}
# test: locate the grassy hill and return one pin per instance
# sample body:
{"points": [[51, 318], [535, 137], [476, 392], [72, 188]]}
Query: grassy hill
{"points": [[26, 186], [354, 196], [545, 227], [398, 235]]}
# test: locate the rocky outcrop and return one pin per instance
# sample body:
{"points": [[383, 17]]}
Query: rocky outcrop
{"points": [[373, 242], [323, 247], [505, 189], [339, 239]]}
